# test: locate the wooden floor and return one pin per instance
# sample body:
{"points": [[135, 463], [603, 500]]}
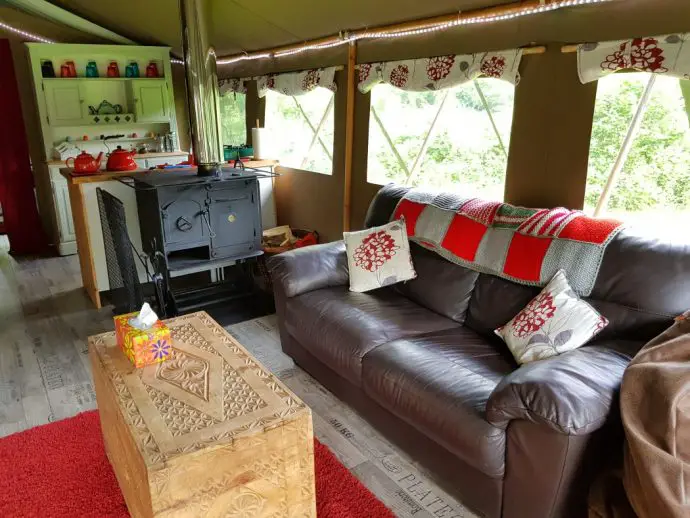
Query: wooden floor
{"points": [[45, 318]]}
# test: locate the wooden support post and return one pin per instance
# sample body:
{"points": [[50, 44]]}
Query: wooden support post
{"points": [[349, 133], [625, 148]]}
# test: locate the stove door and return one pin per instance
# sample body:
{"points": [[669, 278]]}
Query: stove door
{"points": [[182, 210], [235, 219]]}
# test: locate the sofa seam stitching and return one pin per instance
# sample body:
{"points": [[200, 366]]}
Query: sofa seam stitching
{"points": [[542, 418]]}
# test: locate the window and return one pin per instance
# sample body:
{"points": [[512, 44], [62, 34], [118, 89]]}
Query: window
{"points": [[445, 139], [302, 129], [653, 187], [233, 119]]}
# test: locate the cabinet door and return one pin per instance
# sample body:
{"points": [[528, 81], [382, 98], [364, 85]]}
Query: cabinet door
{"points": [[64, 102], [151, 100]]}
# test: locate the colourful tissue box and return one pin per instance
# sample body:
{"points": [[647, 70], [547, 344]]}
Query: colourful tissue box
{"points": [[143, 347]]}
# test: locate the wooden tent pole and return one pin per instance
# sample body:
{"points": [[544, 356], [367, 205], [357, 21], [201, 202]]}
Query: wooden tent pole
{"points": [[626, 147], [497, 12], [349, 134]]}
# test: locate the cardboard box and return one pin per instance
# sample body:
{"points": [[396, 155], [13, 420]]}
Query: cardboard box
{"points": [[143, 348]]}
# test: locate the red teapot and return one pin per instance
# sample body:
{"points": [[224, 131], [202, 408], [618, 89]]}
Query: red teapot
{"points": [[121, 160], [85, 163]]}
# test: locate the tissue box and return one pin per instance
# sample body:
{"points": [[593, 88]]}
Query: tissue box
{"points": [[143, 347]]}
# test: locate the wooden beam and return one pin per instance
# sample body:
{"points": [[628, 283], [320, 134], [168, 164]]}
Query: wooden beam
{"points": [[349, 133]]}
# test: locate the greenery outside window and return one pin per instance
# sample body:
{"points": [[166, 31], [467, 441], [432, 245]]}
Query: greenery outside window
{"points": [[233, 119], [455, 139], [652, 189], [302, 129]]}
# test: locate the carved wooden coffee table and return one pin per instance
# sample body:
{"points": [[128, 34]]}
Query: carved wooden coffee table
{"points": [[210, 432]]}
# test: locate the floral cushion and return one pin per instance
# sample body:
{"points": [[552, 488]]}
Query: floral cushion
{"points": [[378, 256], [554, 322]]}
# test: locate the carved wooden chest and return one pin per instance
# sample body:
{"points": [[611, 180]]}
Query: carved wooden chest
{"points": [[210, 432]]}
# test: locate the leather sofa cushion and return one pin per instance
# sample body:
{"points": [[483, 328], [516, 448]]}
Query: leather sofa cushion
{"points": [[339, 326], [441, 286], [440, 383], [495, 301]]}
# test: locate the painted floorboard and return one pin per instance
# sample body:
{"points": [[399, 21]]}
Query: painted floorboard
{"points": [[45, 376]]}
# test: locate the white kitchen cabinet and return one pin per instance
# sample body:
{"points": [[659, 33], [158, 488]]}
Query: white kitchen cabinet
{"points": [[64, 101], [151, 101], [67, 239]]}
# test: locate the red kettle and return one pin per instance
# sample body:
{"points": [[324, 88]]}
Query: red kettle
{"points": [[121, 160], [85, 163]]}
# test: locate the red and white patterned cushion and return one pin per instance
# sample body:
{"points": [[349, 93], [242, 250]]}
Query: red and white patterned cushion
{"points": [[378, 256], [554, 322]]}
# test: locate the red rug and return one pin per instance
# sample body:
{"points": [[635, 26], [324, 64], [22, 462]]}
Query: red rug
{"points": [[60, 470]]}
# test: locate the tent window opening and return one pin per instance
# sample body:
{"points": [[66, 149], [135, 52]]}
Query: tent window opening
{"points": [[454, 139], [639, 158], [302, 129], [233, 119]]}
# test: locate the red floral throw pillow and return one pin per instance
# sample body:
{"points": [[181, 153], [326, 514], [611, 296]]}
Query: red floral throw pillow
{"points": [[555, 321], [378, 257]]}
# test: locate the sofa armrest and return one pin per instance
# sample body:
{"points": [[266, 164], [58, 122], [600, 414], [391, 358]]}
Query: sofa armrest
{"points": [[310, 268], [571, 393]]}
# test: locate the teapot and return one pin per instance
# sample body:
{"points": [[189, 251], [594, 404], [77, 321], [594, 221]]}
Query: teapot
{"points": [[121, 160], [85, 163]]}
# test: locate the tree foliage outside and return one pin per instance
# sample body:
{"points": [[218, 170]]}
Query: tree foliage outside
{"points": [[464, 153], [291, 137], [233, 119], [654, 184]]}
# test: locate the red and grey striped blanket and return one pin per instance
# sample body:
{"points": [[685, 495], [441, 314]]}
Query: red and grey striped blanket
{"points": [[523, 245]]}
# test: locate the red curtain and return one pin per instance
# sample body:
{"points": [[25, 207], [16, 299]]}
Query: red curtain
{"points": [[22, 222]]}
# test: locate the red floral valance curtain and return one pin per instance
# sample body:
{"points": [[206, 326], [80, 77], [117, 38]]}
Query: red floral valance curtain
{"points": [[22, 223], [297, 83], [441, 71], [669, 55]]}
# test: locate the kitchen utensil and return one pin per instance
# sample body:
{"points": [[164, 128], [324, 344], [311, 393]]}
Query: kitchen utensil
{"points": [[121, 160], [152, 69], [113, 69], [85, 163], [91, 69], [47, 69]]}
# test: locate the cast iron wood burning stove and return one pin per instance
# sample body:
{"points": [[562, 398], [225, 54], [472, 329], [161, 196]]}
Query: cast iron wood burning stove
{"points": [[192, 223]]}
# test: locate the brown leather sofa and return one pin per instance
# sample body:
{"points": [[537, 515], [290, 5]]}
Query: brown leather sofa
{"points": [[421, 362]]}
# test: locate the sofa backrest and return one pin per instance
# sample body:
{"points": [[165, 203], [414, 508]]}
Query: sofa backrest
{"points": [[643, 282]]}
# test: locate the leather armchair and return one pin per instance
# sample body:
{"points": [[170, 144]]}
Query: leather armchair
{"points": [[572, 394]]}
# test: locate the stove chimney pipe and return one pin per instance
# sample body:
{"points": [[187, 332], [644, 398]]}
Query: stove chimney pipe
{"points": [[202, 85]]}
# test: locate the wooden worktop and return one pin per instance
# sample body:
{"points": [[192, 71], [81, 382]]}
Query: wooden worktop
{"points": [[104, 176], [137, 156]]}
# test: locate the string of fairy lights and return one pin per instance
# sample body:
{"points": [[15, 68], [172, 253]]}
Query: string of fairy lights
{"points": [[346, 38]]}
